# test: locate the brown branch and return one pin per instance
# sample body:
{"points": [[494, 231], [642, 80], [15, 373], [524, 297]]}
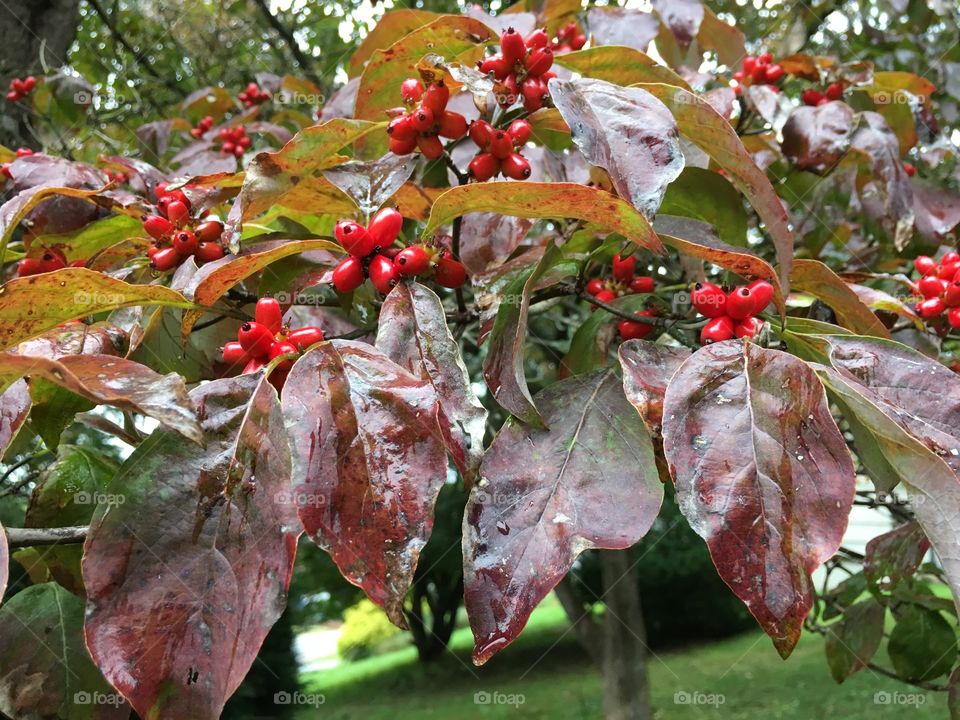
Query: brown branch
{"points": [[33, 537]]}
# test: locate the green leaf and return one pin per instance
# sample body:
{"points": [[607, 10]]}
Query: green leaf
{"points": [[854, 641], [708, 196], [815, 278], [590, 345], [922, 646], [54, 409], [619, 64], [394, 25]]}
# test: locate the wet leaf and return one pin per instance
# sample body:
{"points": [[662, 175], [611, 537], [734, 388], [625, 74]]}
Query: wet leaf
{"points": [[625, 131], [894, 556], [647, 369], [741, 421], [80, 292], [922, 645], [879, 300], [45, 678], [487, 239], [705, 127], [14, 410], [545, 200], [392, 26], [368, 464], [545, 496], [413, 333], [852, 642], [707, 196], [371, 184], [682, 18], [620, 65], [197, 557], [815, 278], [937, 210], [621, 26], [456, 37], [591, 343], [716, 34], [815, 138], [109, 380]]}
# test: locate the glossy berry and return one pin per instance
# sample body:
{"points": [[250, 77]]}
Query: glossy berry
{"points": [[186, 242], [930, 286], [402, 128], [746, 328], [835, 91], [304, 337], [642, 284], [383, 273], [515, 166], [209, 231], [430, 146], [811, 97], [412, 261], [281, 348], [422, 119], [762, 292], [520, 131], [953, 317], [269, 314], [452, 125], [623, 268], [605, 296], [177, 212], [925, 265], [255, 338], [411, 90], [403, 147], [30, 266], [774, 73], [501, 145], [234, 354], [539, 61], [254, 365], [630, 330], [950, 258], [594, 286], [354, 238], [512, 46], [385, 226], [947, 271], [436, 97], [740, 303], [348, 275], [717, 330], [481, 132], [483, 167], [951, 295], [209, 251], [165, 259], [537, 39], [159, 228], [709, 300], [931, 308], [909, 169], [450, 273]]}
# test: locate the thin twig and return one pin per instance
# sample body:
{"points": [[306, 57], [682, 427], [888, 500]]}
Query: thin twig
{"points": [[33, 537]]}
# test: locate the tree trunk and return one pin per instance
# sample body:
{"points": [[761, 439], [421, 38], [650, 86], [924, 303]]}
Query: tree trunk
{"points": [[626, 686]]}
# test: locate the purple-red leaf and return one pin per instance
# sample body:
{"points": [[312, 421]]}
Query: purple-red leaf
{"points": [[647, 369], [762, 474], [545, 496], [682, 17], [815, 138], [413, 333], [368, 464], [620, 26], [186, 574], [14, 408], [894, 556]]}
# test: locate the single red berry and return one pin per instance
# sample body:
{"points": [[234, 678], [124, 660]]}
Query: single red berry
{"points": [[515, 166], [623, 268], [749, 63], [578, 41], [281, 347], [384, 227], [595, 286], [811, 96], [738, 75], [930, 286], [209, 231], [630, 330], [186, 243], [422, 119], [483, 167], [823, 101], [234, 354], [740, 303], [520, 131], [642, 284], [269, 314], [177, 212], [925, 265], [947, 271], [30, 266], [255, 338], [430, 146], [304, 337], [537, 39], [501, 144], [951, 295], [348, 275], [747, 328], [709, 300], [411, 90], [481, 132], [764, 58], [254, 365], [953, 317], [512, 46], [835, 91], [402, 128], [931, 308], [717, 330], [452, 125], [165, 259], [774, 73], [403, 147], [762, 295], [539, 61], [950, 258], [159, 228], [533, 90], [605, 296], [436, 97], [450, 273], [412, 260], [383, 273], [354, 238], [208, 252], [496, 65], [909, 169]]}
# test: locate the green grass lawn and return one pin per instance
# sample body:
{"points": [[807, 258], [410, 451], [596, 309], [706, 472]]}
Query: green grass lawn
{"points": [[547, 669]]}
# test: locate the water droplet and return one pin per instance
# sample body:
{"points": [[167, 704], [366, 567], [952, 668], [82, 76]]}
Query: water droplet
{"points": [[503, 528]]}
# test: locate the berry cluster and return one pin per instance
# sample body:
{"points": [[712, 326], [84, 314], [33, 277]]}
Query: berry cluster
{"points": [[939, 284], [499, 150], [51, 259], [5, 167], [266, 338], [730, 314], [624, 281], [175, 235], [425, 120], [20, 88], [569, 38], [116, 176], [760, 70], [371, 255], [813, 97], [202, 127], [523, 69], [253, 95], [234, 141]]}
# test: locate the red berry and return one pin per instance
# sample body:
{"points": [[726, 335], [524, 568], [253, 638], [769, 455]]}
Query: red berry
{"points": [[950, 258], [269, 314], [165, 259], [953, 317], [947, 271], [951, 295], [385, 226], [254, 365], [209, 231], [186, 243], [823, 101], [747, 328], [764, 58], [717, 330], [402, 128], [630, 330], [623, 268], [578, 41], [533, 90], [539, 61], [234, 354], [537, 39], [436, 97], [383, 273], [412, 260], [762, 295], [709, 300], [749, 63], [515, 166], [930, 286], [501, 145], [255, 338], [496, 65], [512, 46], [483, 167], [450, 273], [281, 347], [520, 131], [29, 83], [209, 251], [422, 119], [452, 125], [403, 147], [430, 146], [159, 228], [304, 337], [931, 308], [348, 275], [811, 96], [605, 296], [641, 284], [835, 91], [925, 265], [354, 238], [481, 132], [411, 90], [909, 169], [774, 73], [30, 266], [595, 286], [740, 303], [177, 212]]}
